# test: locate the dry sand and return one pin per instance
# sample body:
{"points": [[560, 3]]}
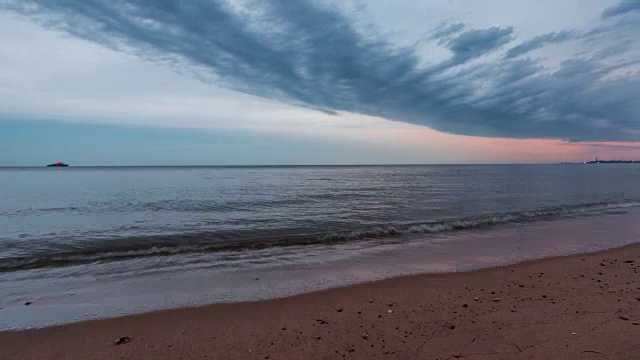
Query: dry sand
{"points": [[579, 307]]}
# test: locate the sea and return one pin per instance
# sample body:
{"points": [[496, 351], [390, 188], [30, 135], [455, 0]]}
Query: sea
{"points": [[82, 243]]}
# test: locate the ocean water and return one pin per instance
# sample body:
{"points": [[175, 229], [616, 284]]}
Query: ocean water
{"points": [[94, 242]]}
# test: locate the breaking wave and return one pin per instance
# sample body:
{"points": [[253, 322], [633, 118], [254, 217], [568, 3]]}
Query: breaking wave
{"points": [[100, 250]]}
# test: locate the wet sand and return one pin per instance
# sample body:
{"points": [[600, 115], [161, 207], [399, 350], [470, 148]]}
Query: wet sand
{"points": [[577, 307]]}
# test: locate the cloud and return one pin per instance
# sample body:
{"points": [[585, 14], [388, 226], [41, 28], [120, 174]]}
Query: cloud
{"points": [[444, 31], [624, 7], [623, 146], [539, 41], [308, 54], [475, 43]]}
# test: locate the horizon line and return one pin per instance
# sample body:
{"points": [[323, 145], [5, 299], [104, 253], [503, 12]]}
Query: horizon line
{"points": [[298, 165]]}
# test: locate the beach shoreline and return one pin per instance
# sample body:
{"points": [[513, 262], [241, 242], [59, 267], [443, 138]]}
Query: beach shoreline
{"points": [[571, 307]]}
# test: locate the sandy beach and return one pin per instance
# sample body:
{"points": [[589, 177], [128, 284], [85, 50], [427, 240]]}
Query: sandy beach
{"points": [[578, 307]]}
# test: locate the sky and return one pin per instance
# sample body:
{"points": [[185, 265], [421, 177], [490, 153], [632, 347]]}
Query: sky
{"points": [[255, 82]]}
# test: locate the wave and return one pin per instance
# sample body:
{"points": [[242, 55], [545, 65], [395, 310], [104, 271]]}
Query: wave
{"points": [[183, 206], [184, 243]]}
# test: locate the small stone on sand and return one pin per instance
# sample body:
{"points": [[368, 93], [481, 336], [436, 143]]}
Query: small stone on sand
{"points": [[122, 340]]}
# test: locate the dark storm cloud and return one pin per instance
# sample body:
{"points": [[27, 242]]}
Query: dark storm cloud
{"points": [[540, 41], [624, 7], [313, 56]]}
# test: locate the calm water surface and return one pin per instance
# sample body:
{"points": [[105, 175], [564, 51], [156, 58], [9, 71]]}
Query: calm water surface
{"points": [[74, 226]]}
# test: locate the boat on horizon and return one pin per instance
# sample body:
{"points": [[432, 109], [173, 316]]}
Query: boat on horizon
{"points": [[58, 164]]}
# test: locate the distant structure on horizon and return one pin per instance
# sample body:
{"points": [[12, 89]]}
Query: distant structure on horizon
{"points": [[58, 164], [598, 161]]}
